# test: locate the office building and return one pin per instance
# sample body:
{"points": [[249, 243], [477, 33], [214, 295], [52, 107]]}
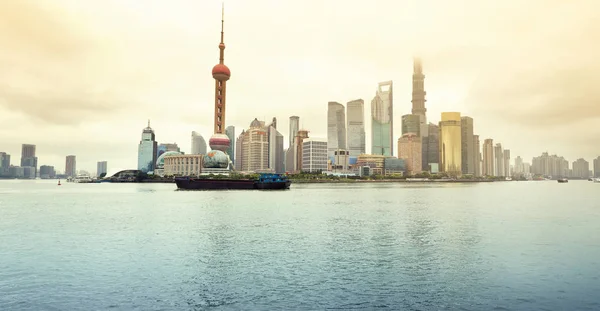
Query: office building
{"points": [[488, 158], [477, 155], [499, 160], [410, 150], [382, 120], [4, 164], [28, 158], [198, 144], [294, 127], [467, 148], [432, 146], [507, 171], [47, 172], [230, 132], [276, 153], [71, 166], [411, 123], [418, 97], [336, 127], [356, 138], [255, 148], [314, 155], [581, 169], [147, 150], [101, 168], [450, 144]]}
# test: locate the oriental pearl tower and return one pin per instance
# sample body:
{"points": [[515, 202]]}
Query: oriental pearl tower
{"points": [[219, 142]]}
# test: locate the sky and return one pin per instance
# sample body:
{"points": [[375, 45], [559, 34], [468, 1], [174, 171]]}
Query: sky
{"points": [[84, 77]]}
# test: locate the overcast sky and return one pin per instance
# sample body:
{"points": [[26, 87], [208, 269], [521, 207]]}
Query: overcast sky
{"points": [[83, 77]]}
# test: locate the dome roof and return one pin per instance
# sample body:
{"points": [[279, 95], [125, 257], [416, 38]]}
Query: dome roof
{"points": [[216, 159], [256, 123], [160, 162], [221, 72]]}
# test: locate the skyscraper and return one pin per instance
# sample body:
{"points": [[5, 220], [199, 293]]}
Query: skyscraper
{"points": [[239, 151], [409, 149], [198, 144], [147, 150], [433, 147], [581, 169], [499, 160], [488, 158], [276, 154], [518, 165], [314, 155], [477, 155], [506, 153], [5, 164], [101, 168], [294, 126], [382, 120], [450, 143], [336, 128], [418, 96], [71, 166], [411, 123], [356, 140], [597, 167], [28, 157], [255, 148], [230, 132], [467, 150]]}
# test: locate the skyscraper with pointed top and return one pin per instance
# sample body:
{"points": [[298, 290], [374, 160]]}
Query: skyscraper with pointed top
{"points": [[418, 96], [146, 150], [220, 72]]}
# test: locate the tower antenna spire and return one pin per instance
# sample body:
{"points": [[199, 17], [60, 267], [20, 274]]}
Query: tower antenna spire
{"points": [[222, 44]]}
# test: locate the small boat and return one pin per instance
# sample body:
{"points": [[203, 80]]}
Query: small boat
{"points": [[590, 179], [59, 182], [597, 180], [562, 180]]}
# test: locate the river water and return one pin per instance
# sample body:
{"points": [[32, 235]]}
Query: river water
{"points": [[384, 246]]}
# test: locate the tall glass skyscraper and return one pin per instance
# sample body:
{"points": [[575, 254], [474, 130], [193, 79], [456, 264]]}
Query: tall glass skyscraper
{"points": [[336, 128], [382, 120], [147, 150], [198, 143], [355, 113], [230, 132], [450, 143]]}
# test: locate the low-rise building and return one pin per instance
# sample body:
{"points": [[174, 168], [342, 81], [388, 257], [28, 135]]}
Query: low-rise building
{"points": [[183, 164]]}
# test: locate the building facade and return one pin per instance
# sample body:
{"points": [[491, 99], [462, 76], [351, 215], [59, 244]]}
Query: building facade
{"points": [[499, 160], [198, 144], [467, 148], [314, 155], [597, 167], [432, 148], [581, 169], [239, 151], [450, 144], [410, 150], [28, 158], [336, 128], [411, 123], [506, 154], [418, 97], [477, 155], [356, 138], [47, 172], [382, 120], [147, 150], [71, 166], [101, 168], [4, 164], [276, 152], [487, 167], [341, 160], [255, 148], [183, 164], [230, 132]]}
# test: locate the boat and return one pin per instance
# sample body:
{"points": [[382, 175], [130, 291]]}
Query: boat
{"points": [[59, 182], [562, 180], [597, 179], [82, 179], [263, 182]]}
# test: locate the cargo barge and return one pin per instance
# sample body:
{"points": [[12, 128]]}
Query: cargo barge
{"points": [[263, 182]]}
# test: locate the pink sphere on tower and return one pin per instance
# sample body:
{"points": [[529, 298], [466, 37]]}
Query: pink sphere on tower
{"points": [[219, 142]]}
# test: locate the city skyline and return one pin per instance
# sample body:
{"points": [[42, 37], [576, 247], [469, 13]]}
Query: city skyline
{"points": [[99, 115]]}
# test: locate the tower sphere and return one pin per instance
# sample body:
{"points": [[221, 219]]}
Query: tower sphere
{"points": [[221, 72], [219, 142]]}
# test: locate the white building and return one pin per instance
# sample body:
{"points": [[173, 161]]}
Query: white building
{"points": [[183, 164], [314, 155]]}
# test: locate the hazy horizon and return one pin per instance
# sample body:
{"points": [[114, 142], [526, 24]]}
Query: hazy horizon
{"points": [[83, 78]]}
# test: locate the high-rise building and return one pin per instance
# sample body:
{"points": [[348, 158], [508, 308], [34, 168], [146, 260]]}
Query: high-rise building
{"points": [[518, 168], [477, 155], [294, 127], [298, 145], [418, 96], [164, 147], [487, 167], [239, 151], [28, 158], [336, 128], [356, 138], [47, 172], [255, 148], [450, 143], [382, 120], [410, 149], [198, 144], [597, 167], [581, 169], [411, 123], [71, 166], [276, 154], [101, 168], [507, 162], [499, 160], [433, 147], [230, 132], [4, 164], [467, 150], [314, 155], [147, 150]]}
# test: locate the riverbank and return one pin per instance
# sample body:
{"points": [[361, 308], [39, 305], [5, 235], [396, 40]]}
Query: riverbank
{"points": [[345, 181]]}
